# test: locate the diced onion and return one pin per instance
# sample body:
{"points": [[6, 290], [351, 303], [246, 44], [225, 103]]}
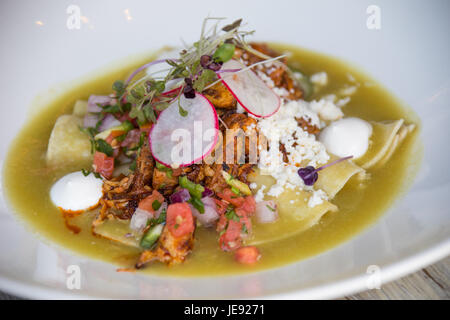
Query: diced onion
{"points": [[95, 100], [90, 120], [108, 122], [266, 211], [210, 215], [139, 219], [161, 209], [180, 196], [207, 193]]}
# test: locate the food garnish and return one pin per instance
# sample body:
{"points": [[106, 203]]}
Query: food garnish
{"points": [[250, 91], [309, 174], [176, 130]]}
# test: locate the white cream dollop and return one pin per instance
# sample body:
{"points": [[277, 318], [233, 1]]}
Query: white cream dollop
{"points": [[76, 192], [347, 137]]}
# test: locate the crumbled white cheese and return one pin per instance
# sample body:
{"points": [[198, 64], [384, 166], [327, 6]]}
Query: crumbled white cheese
{"points": [[317, 197], [326, 109], [330, 97], [267, 80], [351, 78], [301, 147], [253, 185], [320, 78], [259, 196], [281, 92], [265, 76], [348, 90], [342, 102]]}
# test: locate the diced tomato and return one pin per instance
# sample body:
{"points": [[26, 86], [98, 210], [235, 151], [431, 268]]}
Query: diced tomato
{"points": [[231, 197], [114, 134], [147, 203], [231, 239], [103, 164], [179, 219], [247, 255], [222, 223], [244, 219], [221, 206], [249, 205]]}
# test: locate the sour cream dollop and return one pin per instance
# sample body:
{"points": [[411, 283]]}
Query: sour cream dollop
{"points": [[347, 137], [76, 192]]}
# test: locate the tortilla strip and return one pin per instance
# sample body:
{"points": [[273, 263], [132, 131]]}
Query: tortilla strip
{"points": [[67, 144], [383, 137], [80, 108], [116, 230], [293, 217], [332, 179], [399, 137]]}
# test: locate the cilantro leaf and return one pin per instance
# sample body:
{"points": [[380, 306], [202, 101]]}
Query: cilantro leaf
{"points": [[103, 146]]}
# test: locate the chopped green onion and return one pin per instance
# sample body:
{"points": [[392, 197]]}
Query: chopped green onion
{"points": [[151, 236], [160, 166], [235, 183], [194, 189], [156, 205], [231, 215], [103, 146], [160, 219], [88, 172], [235, 191], [165, 169], [198, 204]]}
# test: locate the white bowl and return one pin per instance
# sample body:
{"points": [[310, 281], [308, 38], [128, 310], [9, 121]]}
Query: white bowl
{"points": [[409, 55]]}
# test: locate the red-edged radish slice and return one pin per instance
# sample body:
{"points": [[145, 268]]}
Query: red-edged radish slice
{"points": [[181, 141], [250, 91], [172, 91]]}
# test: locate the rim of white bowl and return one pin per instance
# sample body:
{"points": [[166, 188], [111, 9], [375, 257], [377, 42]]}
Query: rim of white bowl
{"points": [[334, 289]]}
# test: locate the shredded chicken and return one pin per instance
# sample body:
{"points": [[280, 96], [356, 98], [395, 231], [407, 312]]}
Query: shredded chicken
{"points": [[121, 195], [307, 126], [163, 181], [279, 74], [169, 249], [220, 96]]}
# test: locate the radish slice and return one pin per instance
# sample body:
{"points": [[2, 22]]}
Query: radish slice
{"points": [[172, 91], [181, 141], [250, 91]]}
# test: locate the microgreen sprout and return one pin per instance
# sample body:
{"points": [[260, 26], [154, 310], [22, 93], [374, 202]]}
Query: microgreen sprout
{"points": [[198, 65]]}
